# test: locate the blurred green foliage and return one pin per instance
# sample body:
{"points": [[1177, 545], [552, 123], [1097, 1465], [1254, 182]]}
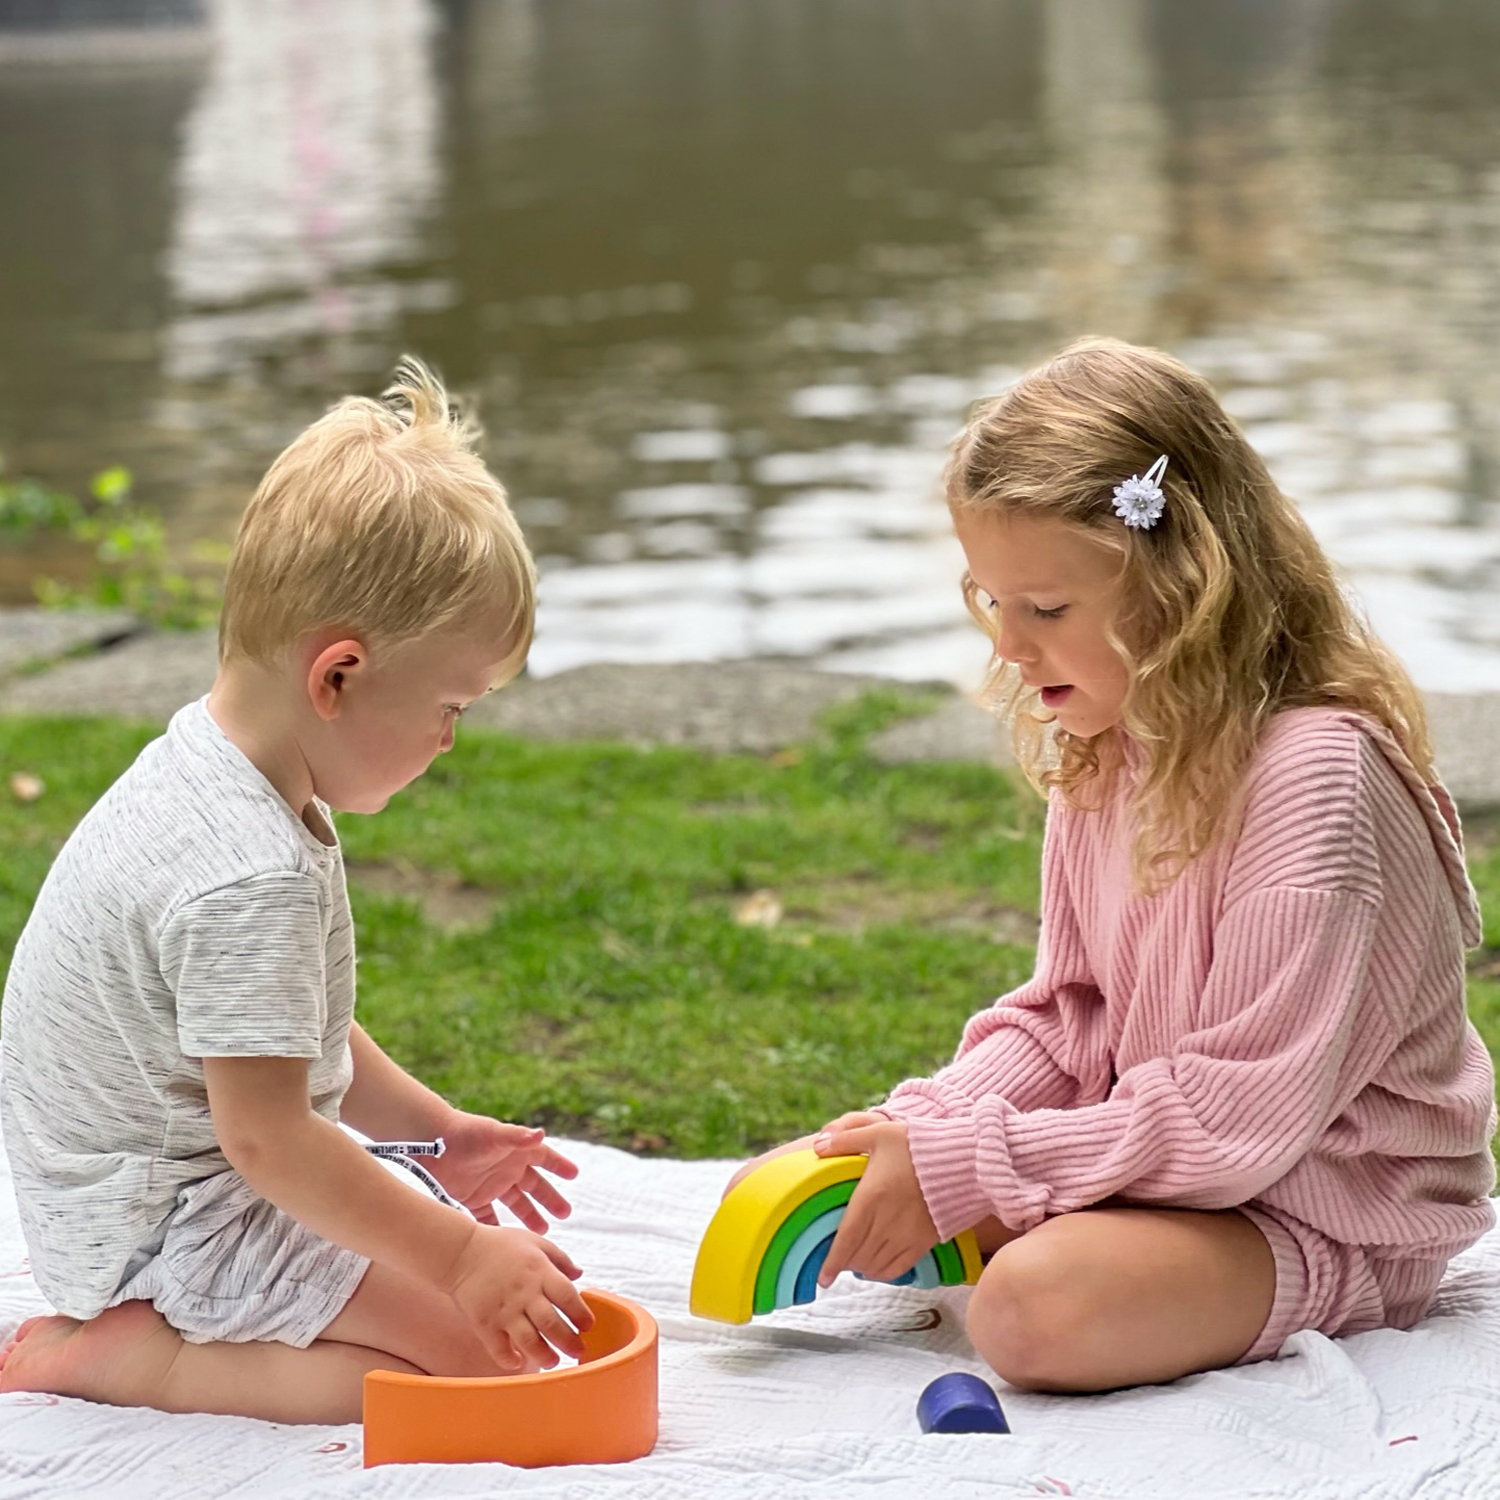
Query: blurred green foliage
{"points": [[131, 567]]}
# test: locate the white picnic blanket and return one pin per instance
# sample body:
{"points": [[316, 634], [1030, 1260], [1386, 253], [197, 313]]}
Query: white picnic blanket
{"points": [[821, 1401]]}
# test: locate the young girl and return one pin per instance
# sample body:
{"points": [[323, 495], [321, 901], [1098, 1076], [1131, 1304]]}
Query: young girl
{"points": [[1240, 1096]]}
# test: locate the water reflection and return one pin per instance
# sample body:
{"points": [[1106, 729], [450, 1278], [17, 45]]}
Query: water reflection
{"points": [[725, 278], [307, 171]]}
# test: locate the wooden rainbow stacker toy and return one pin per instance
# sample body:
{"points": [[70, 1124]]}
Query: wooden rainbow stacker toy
{"points": [[768, 1240]]}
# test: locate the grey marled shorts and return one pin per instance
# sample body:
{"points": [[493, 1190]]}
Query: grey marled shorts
{"points": [[231, 1267]]}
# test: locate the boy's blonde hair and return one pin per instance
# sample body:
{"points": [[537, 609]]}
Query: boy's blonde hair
{"points": [[1229, 609], [379, 519]]}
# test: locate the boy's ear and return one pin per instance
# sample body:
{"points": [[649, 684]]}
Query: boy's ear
{"points": [[330, 674]]}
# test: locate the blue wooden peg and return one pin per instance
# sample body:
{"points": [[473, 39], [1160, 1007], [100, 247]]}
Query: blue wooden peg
{"points": [[960, 1403]]}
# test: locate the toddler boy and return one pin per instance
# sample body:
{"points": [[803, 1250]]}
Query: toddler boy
{"points": [[179, 1037]]}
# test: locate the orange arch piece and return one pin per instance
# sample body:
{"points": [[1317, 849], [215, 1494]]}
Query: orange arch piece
{"points": [[601, 1411]]}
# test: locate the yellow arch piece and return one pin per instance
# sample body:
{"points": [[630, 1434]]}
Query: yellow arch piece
{"points": [[741, 1230]]}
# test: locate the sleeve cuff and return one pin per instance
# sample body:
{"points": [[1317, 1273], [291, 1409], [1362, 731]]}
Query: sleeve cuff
{"points": [[944, 1156], [197, 1045]]}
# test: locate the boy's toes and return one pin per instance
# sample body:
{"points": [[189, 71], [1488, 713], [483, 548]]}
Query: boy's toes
{"points": [[9, 1345], [37, 1354]]}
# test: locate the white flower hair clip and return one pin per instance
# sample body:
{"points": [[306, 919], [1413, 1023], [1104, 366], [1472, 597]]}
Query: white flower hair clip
{"points": [[1139, 501]]}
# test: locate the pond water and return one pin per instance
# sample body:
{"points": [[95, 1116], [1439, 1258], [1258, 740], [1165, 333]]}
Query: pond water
{"points": [[724, 275]]}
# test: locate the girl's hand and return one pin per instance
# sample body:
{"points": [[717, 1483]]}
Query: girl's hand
{"points": [[886, 1229], [517, 1290], [487, 1160], [803, 1143], [854, 1120]]}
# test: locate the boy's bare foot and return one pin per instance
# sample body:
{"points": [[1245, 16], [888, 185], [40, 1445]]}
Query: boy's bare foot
{"points": [[122, 1356], [11, 1343]]}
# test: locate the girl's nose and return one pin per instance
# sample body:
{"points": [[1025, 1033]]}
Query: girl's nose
{"points": [[1012, 646]]}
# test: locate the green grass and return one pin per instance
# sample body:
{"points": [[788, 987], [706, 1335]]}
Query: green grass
{"points": [[549, 933]]}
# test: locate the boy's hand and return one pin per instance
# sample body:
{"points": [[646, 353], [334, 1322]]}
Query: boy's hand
{"points": [[517, 1290], [886, 1229], [487, 1160]]}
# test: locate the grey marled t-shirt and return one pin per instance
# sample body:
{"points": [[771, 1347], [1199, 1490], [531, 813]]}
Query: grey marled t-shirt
{"points": [[191, 914]]}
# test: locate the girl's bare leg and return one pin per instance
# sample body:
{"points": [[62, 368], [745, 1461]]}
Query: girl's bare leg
{"points": [[130, 1356], [1110, 1297]]}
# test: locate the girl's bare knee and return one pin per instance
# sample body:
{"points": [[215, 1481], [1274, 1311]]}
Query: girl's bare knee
{"points": [[1029, 1324]]}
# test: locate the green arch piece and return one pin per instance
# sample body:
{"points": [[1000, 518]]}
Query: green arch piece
{"points": [[836, 1196], [949, 1262]]}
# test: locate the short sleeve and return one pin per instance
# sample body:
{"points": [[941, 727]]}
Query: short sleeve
{"points": [[246, 966]]}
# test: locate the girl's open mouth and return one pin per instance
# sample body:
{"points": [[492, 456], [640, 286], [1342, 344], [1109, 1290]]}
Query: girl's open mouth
{"points": [[1052, 696]]}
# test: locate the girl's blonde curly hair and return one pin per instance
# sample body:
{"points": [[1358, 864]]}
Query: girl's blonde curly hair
{"points": [[1229, 610]]}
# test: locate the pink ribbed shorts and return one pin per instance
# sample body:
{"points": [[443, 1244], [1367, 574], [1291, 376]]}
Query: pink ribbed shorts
{"points": [[1335, 1288]]}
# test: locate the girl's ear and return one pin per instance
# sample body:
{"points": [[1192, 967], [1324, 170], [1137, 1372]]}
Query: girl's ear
{"points": [[331, 673]]}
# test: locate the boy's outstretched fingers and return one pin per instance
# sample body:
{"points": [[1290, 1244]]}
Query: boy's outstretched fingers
{"points": [[534, 1199], [509, 1176], [543, 1194], [519, 1201], [550, 1159]]}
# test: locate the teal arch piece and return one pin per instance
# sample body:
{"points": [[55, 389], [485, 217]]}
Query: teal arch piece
{"points": [[824, 1227], [925, 1273], [807, 1278]]}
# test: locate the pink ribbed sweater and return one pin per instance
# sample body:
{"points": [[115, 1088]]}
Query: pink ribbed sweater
{"points": [[1286, 1024]]}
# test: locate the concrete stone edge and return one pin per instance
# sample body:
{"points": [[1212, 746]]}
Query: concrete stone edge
{"points": [[753, 706]]}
